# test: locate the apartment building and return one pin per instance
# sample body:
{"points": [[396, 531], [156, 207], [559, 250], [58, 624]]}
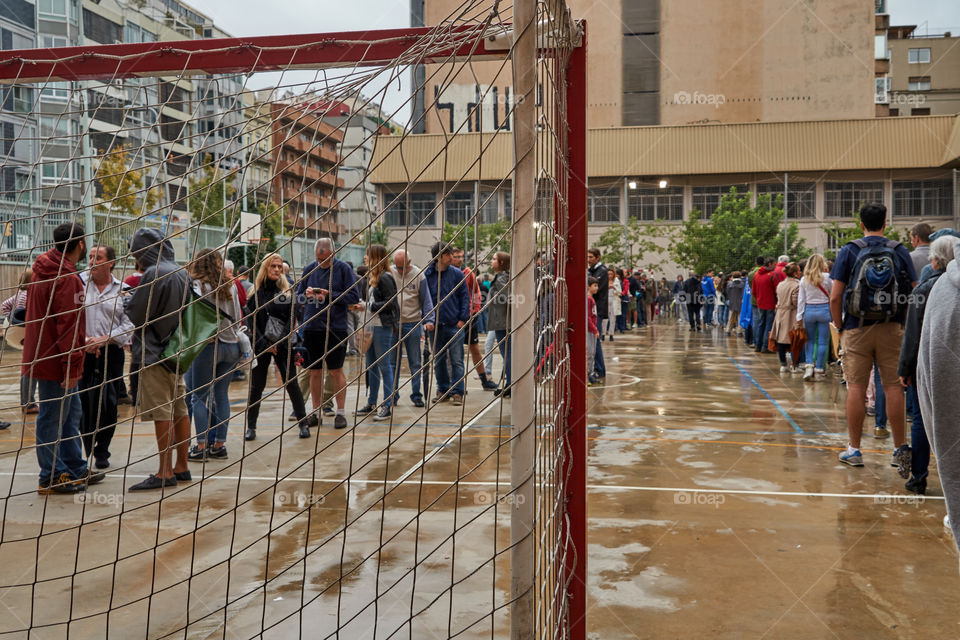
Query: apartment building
{"points": [[924, 72]]}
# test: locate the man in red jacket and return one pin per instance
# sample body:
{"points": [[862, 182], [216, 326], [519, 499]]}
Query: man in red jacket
{"points": [[53, 353], [764, 289]]}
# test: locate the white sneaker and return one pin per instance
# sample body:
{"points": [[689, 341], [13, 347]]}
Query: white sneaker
{"points": [[784, 369], [808, 373]]}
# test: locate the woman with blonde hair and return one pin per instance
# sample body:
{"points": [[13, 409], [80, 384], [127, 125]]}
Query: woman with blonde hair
{"points": [[381, 316], [813, 310], [271, 317], [208, 378]]}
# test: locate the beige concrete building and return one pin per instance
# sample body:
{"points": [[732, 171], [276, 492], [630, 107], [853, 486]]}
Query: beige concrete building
{"points": [[687, 61], [826, 169]]}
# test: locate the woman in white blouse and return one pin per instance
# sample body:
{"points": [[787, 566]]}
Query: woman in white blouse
{"points": [[813, 309]]}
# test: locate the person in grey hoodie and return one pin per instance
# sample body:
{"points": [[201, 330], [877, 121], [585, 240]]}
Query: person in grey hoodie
{"points": [[734, 294], [938, 375], [154, 309]]}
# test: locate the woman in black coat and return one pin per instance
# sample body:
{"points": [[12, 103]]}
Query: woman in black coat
{"points": [[271, 314]]}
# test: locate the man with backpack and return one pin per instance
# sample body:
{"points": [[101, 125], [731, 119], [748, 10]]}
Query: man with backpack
{"points": [[872, 280]]}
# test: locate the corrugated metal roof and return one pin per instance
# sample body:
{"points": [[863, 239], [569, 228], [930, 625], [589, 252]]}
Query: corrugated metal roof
{"points": [[829, 145]]}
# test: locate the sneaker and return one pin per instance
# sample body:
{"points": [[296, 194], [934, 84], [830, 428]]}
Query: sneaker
{"points": [[32, 408], [441, 397], [219, 453], [383, 414], [808, 373], [456, 400], [183, 476], [821, 373], [881, 432], [328, 411], [64, 483], [854, 459], [871, 411], [366, 409], [502, 393], [418, 404], [94, 477], [153, 482], [784, 369], [197, 454], [340, 421], [101, 463], [313, 420], [250, 433], [490, 385], [918, 487], [292, 417], [903, 457], [304, 430]]}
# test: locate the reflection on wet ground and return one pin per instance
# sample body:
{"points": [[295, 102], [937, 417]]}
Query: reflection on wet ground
{"points": [[716, 504]]}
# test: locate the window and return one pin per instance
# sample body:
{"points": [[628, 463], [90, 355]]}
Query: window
{"points": [[458, 208], [135, 33], [707, 199], [17, 98], [56, 171], [922, 198], [921, 111], [603, 204], [801, 198], [100, 29], [918, 56], [844, 199], [652, 203], [55, 91], [880, 89], [488, 207], [894, 112], [51, 42], [410, 209], [880, 46], [919, 83], [57, 8]]}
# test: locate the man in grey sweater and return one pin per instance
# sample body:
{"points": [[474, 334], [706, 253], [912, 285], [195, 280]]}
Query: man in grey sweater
{"points": [[938, 377], [154, 310]]}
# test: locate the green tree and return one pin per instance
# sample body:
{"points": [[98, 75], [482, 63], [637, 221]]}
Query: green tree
{"points": [[121, 186], [736, 234], [490, 238], [208, 204], [840, 234], [635, 245], [378, 235]]}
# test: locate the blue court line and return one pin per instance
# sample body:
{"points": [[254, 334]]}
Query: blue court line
{"points": [[786, 415]]}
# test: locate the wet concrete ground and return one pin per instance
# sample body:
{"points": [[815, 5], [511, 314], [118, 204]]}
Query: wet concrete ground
{"points": [[717, 507]]}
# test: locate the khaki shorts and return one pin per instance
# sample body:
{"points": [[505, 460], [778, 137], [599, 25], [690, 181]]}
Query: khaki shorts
{"points": [[161, 394], [878, 343]]}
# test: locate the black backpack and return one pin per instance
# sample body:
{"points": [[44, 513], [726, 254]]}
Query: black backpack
{"points": [[879, 288]]}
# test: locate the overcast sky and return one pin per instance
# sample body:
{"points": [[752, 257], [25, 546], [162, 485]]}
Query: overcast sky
{"points": [[255, 17]]}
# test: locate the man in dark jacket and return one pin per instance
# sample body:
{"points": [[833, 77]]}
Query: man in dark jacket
{"points": [[734, 293], [451, 307], [692, 297], [154, 309], [53, 352], [330, 287], [596, 269]]}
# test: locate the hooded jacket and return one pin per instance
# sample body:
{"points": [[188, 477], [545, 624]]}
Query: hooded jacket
{"points": [[55, 331], [154, 307], [764, 288], [938, 365], [734, 293]]}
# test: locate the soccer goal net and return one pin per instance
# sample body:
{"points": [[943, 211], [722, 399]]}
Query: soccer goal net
{"points": [[287, 333]]}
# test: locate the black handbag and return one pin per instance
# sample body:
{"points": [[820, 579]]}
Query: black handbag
{"points": [[276, 331]]}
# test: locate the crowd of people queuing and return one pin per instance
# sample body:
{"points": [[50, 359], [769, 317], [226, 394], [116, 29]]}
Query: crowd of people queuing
{"points": [[81, 328], [890, 309]]}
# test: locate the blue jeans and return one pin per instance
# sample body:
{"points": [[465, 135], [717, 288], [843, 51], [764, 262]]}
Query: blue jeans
{"points": [[448, 359], [762, 324], [58, 432], [708, 311], [599, 368], [213, 368], [410, 334], [918, 437], [381, 363], [503, 343], [880, 400], [816, 319]]}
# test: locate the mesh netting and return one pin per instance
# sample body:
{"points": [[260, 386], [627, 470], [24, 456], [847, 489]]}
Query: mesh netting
{"points": [[442, 520]]}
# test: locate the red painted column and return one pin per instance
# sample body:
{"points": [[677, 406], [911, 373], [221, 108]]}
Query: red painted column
{"points": [[576, 276]]}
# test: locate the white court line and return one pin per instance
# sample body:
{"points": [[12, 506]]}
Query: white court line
{"points": [[591, 487]]}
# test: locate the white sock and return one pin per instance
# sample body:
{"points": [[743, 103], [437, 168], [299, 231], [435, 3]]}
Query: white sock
{"points": [[851, 450], [341, 412]]}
